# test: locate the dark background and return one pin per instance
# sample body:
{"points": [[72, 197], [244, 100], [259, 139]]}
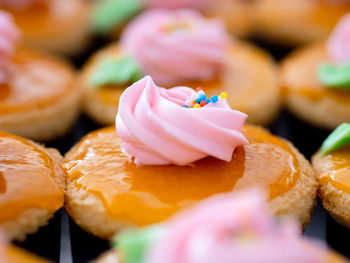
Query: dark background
{"points": [[63, 241]]}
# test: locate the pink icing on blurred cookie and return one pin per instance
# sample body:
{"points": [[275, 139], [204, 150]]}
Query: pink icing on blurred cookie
{"points": [[338, 44], [174, 3], [9, 36], [157, 129], [174, 46], [232, 228]]}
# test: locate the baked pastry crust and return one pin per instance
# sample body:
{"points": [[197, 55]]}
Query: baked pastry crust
{"points": [[303, 93]]}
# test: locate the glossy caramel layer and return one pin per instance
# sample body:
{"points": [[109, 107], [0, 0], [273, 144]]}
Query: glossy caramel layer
{"points": [[34, 81], [242, 82], [335, 169], [26, 178], [299, 76], [147, 194]]}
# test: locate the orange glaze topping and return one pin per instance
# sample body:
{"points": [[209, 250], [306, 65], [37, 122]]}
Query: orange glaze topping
{"points": [[147, 194], [336, 169], [299, 76], [26, 178], [34, 81]]}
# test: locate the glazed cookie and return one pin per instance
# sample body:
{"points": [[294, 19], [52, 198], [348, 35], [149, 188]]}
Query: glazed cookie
{"points": [[315, 80], [39, 98], [332, 165], [181, 48], [110, 16], [167, 155], [293, 22], [224, 228], [60, 26], [31, 185]]}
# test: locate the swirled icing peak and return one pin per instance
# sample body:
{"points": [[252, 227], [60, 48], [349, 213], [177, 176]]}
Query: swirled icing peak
{"points": [[174, 46], [157, 129], [174, 4], [9, 36], [225, 228], [338, 45]]}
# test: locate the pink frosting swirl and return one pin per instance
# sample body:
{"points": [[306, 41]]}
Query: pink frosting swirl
{"points": [[232, 228], [156, 129], [174, 4], [174, 46], [9, 36], [338, 45]]}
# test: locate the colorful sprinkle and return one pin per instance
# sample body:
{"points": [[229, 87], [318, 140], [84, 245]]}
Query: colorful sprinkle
{"points": [[214, 98], [223, 95], [200, 99]]}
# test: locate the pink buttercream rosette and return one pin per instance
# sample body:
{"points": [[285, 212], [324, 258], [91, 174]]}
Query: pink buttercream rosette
{"points": [[232, 228], [338, 45], [9, 36], [156, 129], [174, 46]]}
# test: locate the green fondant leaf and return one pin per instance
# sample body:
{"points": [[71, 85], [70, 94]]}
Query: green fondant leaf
{"points": [[335, 76], [338, 138], [132, 244], [116, 71], [109, 14]]}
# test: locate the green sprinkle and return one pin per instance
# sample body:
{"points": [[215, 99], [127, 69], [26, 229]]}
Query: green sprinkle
{"points": [[110, 14], [132, 244], [335, 76], [338, 138], [116, 71]]}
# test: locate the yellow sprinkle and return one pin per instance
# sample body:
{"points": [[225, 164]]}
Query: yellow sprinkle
{"points": [[197, 105], [223, 95]]}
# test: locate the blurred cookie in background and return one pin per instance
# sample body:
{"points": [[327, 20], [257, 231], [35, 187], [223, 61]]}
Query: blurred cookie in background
{"points": [[111, 16], [39, 98], [315, 79], [294, 22], [59, 26], [182, 47]]}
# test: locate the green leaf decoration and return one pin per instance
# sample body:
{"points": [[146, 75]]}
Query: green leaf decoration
{"points": [[335, 76], [337, 139], [132, 244], [110, 14], [116, 71]]}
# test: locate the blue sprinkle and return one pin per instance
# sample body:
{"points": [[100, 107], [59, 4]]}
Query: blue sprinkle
{"points": [[214, 98], [202, 97], [208, 101], [185, 106], [198, 100]]}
